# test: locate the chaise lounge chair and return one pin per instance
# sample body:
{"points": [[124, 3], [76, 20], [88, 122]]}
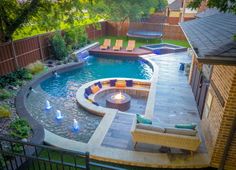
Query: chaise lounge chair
{"points": [[118, 45], [106, 44], [168, 137], [131, 45]]}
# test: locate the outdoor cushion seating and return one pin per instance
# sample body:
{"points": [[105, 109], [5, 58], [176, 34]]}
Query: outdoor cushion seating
{"points": [[150, 127], [95, 89], [88, 91], [129, 83], [180, 138], [142, 119], [113, 82], [118, 45], [187, 132], [106, 44], [186, 126], [99, 84], [120, 83], [131, 45]]}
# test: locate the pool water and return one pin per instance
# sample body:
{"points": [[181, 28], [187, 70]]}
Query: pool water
{"points": [[61, 91], [97, 68]]}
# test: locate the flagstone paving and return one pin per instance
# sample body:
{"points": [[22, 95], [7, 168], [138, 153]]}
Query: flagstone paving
{"points": [[174, 104]]}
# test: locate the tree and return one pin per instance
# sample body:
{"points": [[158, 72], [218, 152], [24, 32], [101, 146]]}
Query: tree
{"points": [[15, 13], [222, 5]]}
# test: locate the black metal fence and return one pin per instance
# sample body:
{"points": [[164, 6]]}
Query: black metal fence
{"points": [[19, 155]]}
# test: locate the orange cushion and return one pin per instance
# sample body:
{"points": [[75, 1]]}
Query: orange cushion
{"points": [[95, 89], [120, 83]]}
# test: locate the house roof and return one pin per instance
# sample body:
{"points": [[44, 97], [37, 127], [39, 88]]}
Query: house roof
{"points": [[212, 38], [208, 12], [176, 5]]}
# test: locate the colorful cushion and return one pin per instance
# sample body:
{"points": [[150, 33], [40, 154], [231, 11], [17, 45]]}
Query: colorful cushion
{"points": [[186, 126], [112, 82], [187, 132], [150, 127], [88, 91], [85, 96], [142, 119], [95, 89], [95, 103], [129, 83], [99, 84], [120, 83]]}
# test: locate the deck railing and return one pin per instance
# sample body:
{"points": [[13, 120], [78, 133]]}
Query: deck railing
{"points": [[19, 155]]}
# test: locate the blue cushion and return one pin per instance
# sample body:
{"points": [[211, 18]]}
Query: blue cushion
{"points": [[99, 84], [95, 103], [85, 96], [129, 83], [142, 119], [88, 91], [186, 126], [112, 82]]}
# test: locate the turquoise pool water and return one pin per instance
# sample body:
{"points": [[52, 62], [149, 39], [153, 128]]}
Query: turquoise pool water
{"points": [[97, 68], [61, 93]]}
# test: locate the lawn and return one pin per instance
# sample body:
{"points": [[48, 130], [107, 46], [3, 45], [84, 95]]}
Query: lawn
{"points": [[141, 42]]}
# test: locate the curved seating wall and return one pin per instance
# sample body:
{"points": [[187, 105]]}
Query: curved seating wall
{"points": [[86, 95]]}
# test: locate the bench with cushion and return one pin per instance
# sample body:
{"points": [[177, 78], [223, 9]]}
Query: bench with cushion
{"points": [[187, 139]]}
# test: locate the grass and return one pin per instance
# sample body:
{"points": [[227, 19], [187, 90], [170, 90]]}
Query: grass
{"points": [[141, 42]]}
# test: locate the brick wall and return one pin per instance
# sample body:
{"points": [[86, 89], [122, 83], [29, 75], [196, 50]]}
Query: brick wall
{"points": [[216, 123]]}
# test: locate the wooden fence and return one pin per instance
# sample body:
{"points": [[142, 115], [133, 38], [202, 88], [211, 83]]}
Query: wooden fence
{"points": [[20, 53]]}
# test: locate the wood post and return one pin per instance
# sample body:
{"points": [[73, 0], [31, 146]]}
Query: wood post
{"points": [[14, 55], [40, 48]]}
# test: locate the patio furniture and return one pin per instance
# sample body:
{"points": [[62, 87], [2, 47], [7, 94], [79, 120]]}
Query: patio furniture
{"points": [[118, 45], [131, 45], [168, 137], [106, 44]]}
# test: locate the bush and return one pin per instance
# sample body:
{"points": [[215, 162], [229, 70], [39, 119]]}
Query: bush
{"points": [[59, 49], [20, 128], [75, 38], [35, 68], [5, 111], [4, 94], [15, 78]]}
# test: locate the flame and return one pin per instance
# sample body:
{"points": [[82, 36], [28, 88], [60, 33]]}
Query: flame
{"points": [[119, 96]]}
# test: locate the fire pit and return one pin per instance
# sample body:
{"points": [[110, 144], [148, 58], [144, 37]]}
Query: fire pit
{"points": [[120, 101]]}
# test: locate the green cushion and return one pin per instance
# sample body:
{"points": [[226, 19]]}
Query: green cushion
{"points": [[186, 126], [142, 119]]}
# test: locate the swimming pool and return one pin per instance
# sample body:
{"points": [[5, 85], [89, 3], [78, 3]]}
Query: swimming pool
{"points": [[60, 91]]}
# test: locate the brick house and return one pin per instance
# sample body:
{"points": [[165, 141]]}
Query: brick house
{"points": [[213, 80]]}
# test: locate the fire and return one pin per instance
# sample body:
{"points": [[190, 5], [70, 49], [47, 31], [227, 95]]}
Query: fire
{"points": [[119, 96]]}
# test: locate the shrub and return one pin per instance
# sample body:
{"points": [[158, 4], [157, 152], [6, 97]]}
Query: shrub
{"points": [[59, 49], [20, 128], [35, 68], [5, 111], [15, 78], [4, 94]]}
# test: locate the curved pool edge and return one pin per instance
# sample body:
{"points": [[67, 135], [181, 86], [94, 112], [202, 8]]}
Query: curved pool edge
{"points": [[37, 128]]}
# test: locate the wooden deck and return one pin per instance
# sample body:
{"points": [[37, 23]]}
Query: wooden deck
{"points": [[122, 52]]}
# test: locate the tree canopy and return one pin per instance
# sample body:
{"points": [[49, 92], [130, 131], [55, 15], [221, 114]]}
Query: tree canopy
{"points": [[222, 5], [20, 18]]}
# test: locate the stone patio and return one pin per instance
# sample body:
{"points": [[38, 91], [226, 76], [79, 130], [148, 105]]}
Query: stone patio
{"points": [[174, 104]]}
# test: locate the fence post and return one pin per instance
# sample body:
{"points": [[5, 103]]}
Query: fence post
{"points": [[40, 48], [14, 55], [87, 161]]}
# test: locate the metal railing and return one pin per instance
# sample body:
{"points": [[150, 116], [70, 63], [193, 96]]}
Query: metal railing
{"points": [[19, 155]]}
